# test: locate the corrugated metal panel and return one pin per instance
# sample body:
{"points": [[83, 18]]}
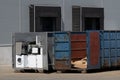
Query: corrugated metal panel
{"points": [[118, 48], [61, 36], [93, 53], [110, 47], [62, 50], [62, 64], [78, 45]]}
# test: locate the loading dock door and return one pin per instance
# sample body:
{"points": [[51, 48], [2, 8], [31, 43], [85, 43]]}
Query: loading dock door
{"points": [[48, 23], [45, 18], [92, 18], [92, 23]]}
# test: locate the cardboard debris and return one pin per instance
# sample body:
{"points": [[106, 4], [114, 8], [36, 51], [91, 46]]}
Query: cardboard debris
{"points": [[82, 63]]}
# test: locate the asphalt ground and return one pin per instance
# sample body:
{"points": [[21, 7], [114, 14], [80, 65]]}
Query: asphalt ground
{"points": [[7, 73]]}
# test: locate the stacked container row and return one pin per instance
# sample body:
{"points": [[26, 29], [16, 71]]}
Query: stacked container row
{"points": [[72, 50]]}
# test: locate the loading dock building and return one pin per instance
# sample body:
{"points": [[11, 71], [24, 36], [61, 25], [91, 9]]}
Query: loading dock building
{"points": [[53, 15]]}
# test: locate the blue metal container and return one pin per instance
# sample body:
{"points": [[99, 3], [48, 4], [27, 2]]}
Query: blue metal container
{"points": [[62, 50], [110, 47]]}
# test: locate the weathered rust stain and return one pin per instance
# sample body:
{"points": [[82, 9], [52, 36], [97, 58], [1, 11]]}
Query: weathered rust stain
{"points": [[113, 64], [118, 62], [94, 48], [62, 65], [106, 63], [78, 54], [79, 37], [78, 46]]}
